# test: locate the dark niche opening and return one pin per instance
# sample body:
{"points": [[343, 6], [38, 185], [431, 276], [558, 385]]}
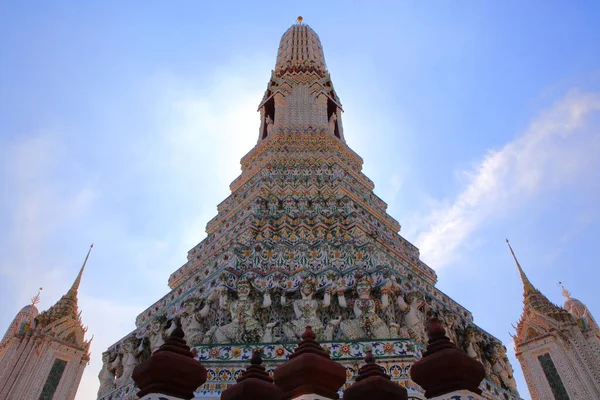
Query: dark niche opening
{"points": [[53, 379], [332, 116], [556, 384], [269, 112]]}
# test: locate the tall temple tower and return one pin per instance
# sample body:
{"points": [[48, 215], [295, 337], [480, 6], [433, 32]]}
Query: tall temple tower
{"points": [[42, 356], [302, 240], [558, 348]]}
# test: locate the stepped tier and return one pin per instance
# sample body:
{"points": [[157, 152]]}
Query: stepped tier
{"points": [[303, 240]]}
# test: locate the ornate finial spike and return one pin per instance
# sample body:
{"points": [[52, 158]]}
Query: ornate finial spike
{"points": [[435, 328], [75, 286], [36, 299], [369, 357], [309, 334], [527, 286], [178, 332], [565, 292], [256, 356], [299, 20]]}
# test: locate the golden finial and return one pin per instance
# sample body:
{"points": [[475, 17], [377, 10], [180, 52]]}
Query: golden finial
{"points": [[73, 291], [526, 284], [36, 299], [565, 292], [299, 20]]}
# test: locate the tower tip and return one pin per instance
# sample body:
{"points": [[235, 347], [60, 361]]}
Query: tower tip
{"points": [[565, 292], [527, 286]]}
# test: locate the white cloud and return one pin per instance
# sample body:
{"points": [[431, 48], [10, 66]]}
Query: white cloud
{"points": [[37, 206], [186, 163], [556, 149], [201, 135]]}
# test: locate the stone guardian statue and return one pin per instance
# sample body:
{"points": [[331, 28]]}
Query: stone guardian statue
{"points": [[305, 310]]}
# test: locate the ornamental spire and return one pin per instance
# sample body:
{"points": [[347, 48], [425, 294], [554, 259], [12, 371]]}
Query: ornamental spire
{"points": [[67, 305], [300, 97], [73, 290], [527, 286], [300, 50]]}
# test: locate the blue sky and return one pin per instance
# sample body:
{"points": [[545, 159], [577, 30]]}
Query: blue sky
{"points": [[123, 125]]}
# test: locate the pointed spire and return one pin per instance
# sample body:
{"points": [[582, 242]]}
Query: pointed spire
{"points": [[67, 305], [527, 286], [73, 290]]}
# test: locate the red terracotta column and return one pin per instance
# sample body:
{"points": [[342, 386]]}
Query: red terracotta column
{"points": [[254, 384], [310, 373], [171, 371], [446, 371], [373, 382]]}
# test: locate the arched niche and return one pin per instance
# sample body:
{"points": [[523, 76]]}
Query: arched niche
{"points": [[332, 118], [268, 117]]}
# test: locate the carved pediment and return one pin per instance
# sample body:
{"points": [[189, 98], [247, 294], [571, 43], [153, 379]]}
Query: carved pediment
{"points": [[67, 330], [531, 334]]}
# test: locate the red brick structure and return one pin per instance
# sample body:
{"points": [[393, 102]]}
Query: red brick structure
{"points": [[254, 384], [171, 370], [373, 382], [444, 368], [310, 371]]}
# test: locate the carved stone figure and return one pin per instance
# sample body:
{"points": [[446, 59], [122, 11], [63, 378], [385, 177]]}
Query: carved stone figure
{"points": [[116, 367], [269, 124], [243, 328], [143, 351], [414, 320], [273, 206], [332, 122], [302, 205], [318, 205], [106, 375], [128, 360], [305, 310], [208, 336], [156, 334], [366, 324], [331, 206], [449, 320], [471, 344], [502, 368], [190, 321], [268, 336]]}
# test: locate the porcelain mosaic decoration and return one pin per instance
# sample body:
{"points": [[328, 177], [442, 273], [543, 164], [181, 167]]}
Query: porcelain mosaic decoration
{"points": [[302, 240]]}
